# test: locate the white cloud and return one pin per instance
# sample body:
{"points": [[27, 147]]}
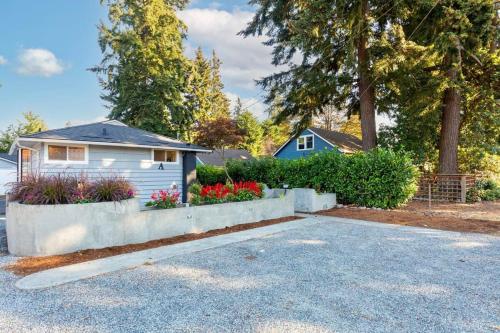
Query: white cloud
{"points": [[253, 104], [40, 62], [3, 61], [244, 59]]}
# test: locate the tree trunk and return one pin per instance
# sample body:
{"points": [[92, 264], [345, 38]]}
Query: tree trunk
{"points": [[450, 128], [366, 89]]}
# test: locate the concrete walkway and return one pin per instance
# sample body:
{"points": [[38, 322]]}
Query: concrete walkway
{"points": [[331, 276]]}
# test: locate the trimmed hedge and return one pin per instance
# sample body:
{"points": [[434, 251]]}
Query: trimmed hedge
{"points": [[380, 178], [210, 175]]}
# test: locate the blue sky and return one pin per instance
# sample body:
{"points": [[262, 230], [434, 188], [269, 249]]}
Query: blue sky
{"points": [[48, 45]]}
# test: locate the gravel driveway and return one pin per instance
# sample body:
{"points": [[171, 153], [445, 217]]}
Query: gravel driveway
{"points": [[3, 237], [329, 277]]}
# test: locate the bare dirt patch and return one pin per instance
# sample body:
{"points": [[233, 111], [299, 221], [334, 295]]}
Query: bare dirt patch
{"points": [[479, 217], [30, 265]]}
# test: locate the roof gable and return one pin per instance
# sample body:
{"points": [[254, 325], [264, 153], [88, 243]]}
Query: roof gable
{"points": [[344, 142]]}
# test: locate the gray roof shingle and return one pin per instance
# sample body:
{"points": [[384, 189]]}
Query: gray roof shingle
{"points": [[6, 156], [115, 132], [346, 142], [214, 157]]}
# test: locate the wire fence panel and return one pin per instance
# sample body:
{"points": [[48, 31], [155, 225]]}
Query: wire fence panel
{"points": [[445, 188]]}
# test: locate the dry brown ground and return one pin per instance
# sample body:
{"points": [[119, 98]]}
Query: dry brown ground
{"points": [[481, 217], [29, 265]]}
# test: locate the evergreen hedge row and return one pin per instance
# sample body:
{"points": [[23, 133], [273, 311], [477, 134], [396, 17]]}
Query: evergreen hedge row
{"points": [[380, 178]]}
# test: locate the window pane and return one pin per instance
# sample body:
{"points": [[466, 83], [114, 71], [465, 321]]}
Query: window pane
{"points": [[159, 156], [309, 143], [25, 155], [300, 143], [57, 153], [76, 153], [171, 156]]}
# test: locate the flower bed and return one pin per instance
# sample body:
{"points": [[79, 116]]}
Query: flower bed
{"points": [[220, 193], [68, 189], [164, 199]]}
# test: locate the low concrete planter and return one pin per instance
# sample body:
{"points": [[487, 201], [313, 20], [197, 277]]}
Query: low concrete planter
{"points": [[307, 200], [57, 229]]}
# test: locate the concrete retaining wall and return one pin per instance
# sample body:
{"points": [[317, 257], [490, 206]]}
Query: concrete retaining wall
{"points": [[57, 229], [308, 201]]}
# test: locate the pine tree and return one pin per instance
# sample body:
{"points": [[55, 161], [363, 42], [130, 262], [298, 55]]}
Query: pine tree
{"points": [[219, 103], [238, 108], [143, 70], [335, 42], [198, 100], [441, 83], [254, 134]]}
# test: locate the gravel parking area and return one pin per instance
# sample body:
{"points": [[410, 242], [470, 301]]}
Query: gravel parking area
{"points": [[3, 237], [330, 277]]}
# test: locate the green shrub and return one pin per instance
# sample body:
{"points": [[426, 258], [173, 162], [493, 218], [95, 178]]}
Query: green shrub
{"points": [[380, 178], [210, 175], [484, 189]]}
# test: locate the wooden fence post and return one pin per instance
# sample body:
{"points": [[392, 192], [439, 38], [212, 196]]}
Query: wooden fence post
{"points": [[463, 189], [430, 194]]}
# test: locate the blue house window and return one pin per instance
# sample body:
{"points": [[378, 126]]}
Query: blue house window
{"points": [[305, 142]]}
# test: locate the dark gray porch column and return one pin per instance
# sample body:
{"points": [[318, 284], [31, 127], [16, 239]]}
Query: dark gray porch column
{"points": [[188, 172]]}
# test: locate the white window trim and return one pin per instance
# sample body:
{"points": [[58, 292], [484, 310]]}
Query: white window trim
{"points": [[46, 154], [177, 157], [305, 142]]}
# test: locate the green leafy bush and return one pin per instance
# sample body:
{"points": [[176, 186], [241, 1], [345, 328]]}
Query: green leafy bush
{"points": [[484, 189], [210, 175], [379, 178]]}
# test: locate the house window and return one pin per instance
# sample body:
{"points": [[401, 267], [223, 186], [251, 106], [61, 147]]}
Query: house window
{"points": [[66, 154], [164, 156], [305, 142]]}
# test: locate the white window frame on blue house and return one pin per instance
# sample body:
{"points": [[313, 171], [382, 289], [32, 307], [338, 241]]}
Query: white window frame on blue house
{"points": [[305, 137]]}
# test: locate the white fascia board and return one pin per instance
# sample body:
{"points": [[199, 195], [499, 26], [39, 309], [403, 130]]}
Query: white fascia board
{"points": [[114, 144]]}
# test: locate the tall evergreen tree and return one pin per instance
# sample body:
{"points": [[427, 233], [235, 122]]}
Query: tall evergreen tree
{"points": [[143, 70], [334, 40], [254, 134], [443, 82], [238, 108], [198, 98], [218, 100]]}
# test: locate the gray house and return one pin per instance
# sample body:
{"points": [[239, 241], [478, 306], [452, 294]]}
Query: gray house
{"points": [[8, 167], [110, 148]]}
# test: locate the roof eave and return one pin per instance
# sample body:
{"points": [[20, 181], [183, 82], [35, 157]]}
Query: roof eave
{"points": [[100, 143]]}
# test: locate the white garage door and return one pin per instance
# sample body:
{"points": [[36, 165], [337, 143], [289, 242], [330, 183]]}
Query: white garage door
{"points": [[7, 176]]}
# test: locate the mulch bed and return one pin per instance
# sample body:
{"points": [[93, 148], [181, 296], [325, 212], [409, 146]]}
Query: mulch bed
{"points": [[417, 219], [30, 265]]}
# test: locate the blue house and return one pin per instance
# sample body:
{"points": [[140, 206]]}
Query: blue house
{"points": [[313, 140]]}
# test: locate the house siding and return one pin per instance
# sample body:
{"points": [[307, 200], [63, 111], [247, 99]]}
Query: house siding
{"points": [[290, 150], [7, 175], [133, 164]]}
